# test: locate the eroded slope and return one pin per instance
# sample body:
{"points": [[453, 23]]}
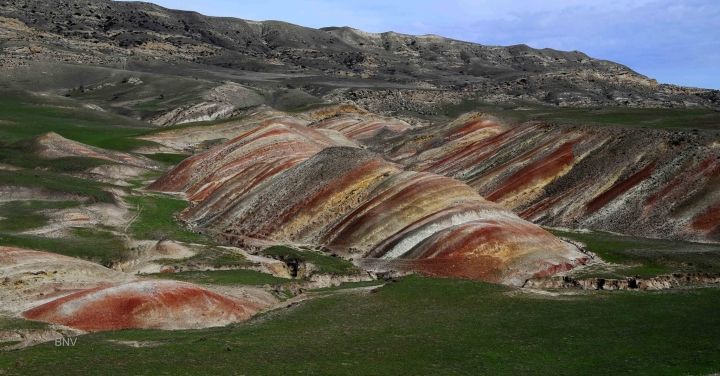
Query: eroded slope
{"points": [[644, 182], [144, 304], [357, 204]]}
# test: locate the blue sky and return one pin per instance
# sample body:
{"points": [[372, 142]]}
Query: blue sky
{"points": [[673, 41]]}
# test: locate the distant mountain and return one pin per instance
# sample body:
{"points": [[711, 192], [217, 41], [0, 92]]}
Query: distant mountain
{"points": [[338, 61]]}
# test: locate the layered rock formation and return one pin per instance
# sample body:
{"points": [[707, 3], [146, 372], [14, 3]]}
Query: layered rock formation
{"points": [[247, 160], [32, 277], [283, 183], [644, 182], [220, 102], [638, 181], [144, 304], [360, 127], [83, 295]]}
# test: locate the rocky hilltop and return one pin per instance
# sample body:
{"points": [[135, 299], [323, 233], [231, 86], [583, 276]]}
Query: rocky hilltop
{"points": [[405, 72]]}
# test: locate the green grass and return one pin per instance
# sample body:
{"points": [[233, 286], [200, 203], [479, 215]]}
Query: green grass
{"points": [[637, 117], [628, 117], [157, 220], [168, 158], [8, 323], [156, 94], [453, 111], [23, 116], [647, 257], [421, 326], [673, 118], [26, 215], [144, 179], [212, 256], [227, 260], [325, 263], [151, 106], [58, 183], [225, 277], [308, 107], [94, 245], [19, 155]]}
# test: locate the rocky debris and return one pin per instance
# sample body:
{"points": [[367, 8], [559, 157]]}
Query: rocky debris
{"points": [[662, 282], [268, 265], [149, 251], [319, 281], [134, 81], [395, 102]]}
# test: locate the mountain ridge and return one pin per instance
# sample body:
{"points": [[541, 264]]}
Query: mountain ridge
{"points": [[118, 34]]}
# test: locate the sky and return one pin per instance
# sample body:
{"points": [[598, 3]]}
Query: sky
{"points": [[673, 41]]}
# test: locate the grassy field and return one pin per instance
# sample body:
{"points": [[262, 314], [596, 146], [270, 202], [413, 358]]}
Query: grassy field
{"points": [[158, 93], [612, 116], [636, 117], [7, 323], [23, 116], [58, 183], [325, 263], [210, 256], [20, 154], [94, 245], [225, 277], [168, 158], [350, 285], [647, 257], [156, 219], [422, 326], [25, 215]]}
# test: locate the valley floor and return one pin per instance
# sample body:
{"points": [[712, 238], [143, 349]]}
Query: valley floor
{"points": [[420, 326]]}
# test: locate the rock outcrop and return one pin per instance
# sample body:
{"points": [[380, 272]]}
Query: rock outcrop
{"points": [[29, 277], [144, 304], [83, 295], [281, 183], [218, 103], [645, 182]]}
